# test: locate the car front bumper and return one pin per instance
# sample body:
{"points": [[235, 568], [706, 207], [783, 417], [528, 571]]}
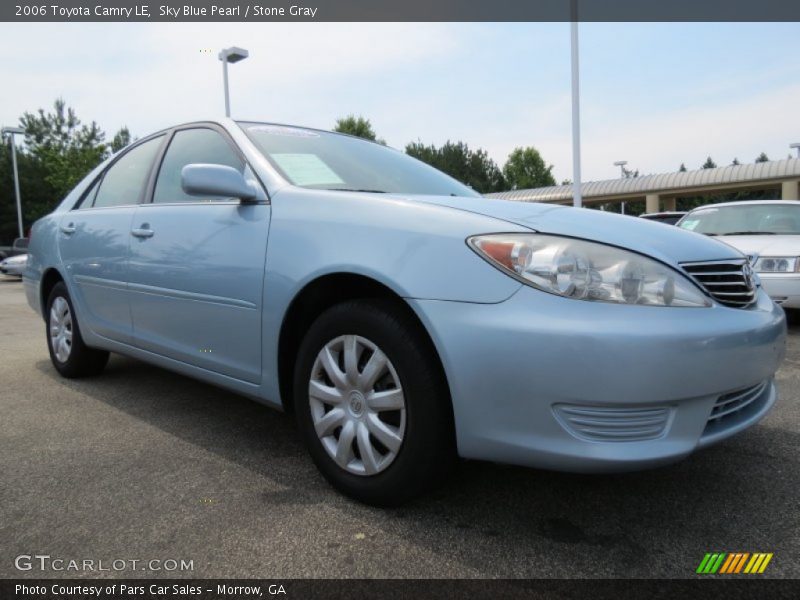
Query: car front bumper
{"points": [[783, 288], [548, 382], [12, 270]]}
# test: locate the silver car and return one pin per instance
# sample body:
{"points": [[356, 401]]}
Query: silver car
{"points": [[403, 319], [767, 231], [14, 265]]}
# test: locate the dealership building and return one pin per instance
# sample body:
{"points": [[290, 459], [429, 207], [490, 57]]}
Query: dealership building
{"points": [[659, 192]]}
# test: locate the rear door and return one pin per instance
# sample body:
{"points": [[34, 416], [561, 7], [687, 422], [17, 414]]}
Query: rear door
{"points": [[94, 238], [197, 265]]}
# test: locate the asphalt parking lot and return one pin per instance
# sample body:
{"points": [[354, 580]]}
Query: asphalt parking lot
{"points": [[144, 464]]}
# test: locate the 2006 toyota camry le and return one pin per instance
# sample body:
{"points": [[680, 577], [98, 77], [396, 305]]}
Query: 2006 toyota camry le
{"points": [[401, 317]]}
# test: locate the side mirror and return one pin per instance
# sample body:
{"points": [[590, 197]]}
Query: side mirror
{"points": [[216, 180]]}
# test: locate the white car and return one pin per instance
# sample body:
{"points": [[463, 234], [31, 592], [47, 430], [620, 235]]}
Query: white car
{"points": [[767, 231], [14, 265]]}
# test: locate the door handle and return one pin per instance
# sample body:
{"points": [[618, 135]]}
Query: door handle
{"points": [[142, 232], [68, 229]]}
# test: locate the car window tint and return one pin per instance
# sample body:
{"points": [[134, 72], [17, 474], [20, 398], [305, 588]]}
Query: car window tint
{"points": [[122, 184], [187, 147]]}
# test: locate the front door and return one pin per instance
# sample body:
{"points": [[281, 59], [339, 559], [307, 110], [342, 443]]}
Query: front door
{"points": [[197, 266]]}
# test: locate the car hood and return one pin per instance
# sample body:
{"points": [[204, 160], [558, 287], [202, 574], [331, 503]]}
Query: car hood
{"points": [[666, 243], [764, 245]]}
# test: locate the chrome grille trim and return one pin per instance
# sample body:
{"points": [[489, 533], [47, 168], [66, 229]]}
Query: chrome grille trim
{"points": [[729, 282]]}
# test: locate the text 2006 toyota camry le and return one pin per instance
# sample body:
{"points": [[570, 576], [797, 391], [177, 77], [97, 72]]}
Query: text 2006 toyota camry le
{"points": [[404, 319]]}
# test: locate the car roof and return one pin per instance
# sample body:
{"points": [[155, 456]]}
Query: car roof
{"points": [[744, 202]]}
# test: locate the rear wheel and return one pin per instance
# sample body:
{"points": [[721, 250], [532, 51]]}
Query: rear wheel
{"points": [[371, 403], [69, 355]]}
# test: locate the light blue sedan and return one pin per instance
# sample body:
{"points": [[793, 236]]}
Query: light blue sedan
{"points": [[402, 318]]}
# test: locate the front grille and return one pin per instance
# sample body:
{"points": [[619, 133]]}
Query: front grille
{"points": [[601, 424], [730, 282]]}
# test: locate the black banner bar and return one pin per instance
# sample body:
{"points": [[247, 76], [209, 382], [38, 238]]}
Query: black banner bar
{"points": [[731, 588], [398, 10]]}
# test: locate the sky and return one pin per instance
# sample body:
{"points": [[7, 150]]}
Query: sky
{"points": [[656, 95]]}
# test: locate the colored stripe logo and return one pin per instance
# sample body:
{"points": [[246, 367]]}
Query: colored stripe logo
{"points": [[734, 562]]}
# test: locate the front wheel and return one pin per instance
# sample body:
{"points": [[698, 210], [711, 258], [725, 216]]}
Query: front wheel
{"points": [[69, 355], [371, 402]]}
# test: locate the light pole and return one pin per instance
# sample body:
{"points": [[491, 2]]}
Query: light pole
{"points": [[577, 200], [796, 146], [10, 131], [621, 164], [230, 55]]}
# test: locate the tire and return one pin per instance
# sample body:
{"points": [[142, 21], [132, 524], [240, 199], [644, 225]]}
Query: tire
{"points": [[69, 355], [792, 316], [387, 473]]}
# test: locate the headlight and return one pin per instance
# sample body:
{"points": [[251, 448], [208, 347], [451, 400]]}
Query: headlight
{"points": [[587, 270], [777, 264]]}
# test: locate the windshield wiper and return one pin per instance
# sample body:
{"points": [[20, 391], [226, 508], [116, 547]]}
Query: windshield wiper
{"points": [[748, 233], [356, 190]]}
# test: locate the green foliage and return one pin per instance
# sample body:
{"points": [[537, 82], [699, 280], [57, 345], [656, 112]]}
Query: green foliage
{"points": [[709, 164], [357, 126], [37, 194], [121, 139], [762, 158], [473, 168], [690, 202], [735, 162], [67, 149], [525, 168], [57, 153], [682, 168]]}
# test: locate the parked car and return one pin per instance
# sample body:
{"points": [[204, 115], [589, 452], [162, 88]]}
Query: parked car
{"points": [[768, 231], [20, 246], [668, 218], [401, 317], [14, 265]]}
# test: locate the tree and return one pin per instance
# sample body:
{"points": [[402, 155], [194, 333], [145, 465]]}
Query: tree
{"points": [[473, 168], [682, 168], [709, 164], [67, 149], [525, 168], [38, 197], [735, 162], [57, 153], [121, 139], [762, 158], [357, 126]]}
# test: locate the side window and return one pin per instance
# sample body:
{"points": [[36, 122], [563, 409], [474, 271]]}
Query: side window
{"points": [[192, 146], [122, 184], [88, 196]]}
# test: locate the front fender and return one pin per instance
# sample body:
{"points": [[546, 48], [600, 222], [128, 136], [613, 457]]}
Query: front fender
{"points": [[416, 249]]}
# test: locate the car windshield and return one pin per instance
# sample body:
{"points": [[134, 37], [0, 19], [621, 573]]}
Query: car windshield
{"points": [[329, 161], [745, 219]]}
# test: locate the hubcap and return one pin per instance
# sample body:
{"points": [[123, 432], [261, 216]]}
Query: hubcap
{"points": [[357, 405], [61, 329]]}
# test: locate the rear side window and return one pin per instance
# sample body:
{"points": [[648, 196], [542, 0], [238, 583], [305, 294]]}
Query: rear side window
{"points": [[124, 182], [187, 147]]}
